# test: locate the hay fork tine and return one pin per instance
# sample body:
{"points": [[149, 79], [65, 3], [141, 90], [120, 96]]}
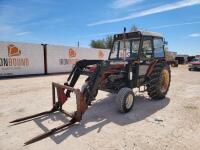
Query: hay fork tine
{"points": [[57, 106], [32, 116], [49, 133]]}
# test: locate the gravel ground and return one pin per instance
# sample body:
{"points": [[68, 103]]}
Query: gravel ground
{"points": [[172, 123]]}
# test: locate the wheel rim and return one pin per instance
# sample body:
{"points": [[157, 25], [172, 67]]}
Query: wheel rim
{"points": [[164, 82], [129, 101]]}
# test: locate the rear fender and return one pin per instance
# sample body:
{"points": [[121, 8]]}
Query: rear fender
{"points": [[151, 67]]}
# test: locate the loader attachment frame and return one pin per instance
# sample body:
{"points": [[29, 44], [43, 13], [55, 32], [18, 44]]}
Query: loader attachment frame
{"points": [[57, 106], [83, 99]]}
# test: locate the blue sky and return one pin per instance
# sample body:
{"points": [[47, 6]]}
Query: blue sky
{"points": [[66, 22]]}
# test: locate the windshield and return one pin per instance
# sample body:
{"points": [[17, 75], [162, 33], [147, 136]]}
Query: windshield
{"points": [[132, 47]]}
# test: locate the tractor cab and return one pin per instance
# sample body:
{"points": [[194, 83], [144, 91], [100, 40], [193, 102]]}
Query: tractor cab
{"points": [[138, 51], [137, 46]]}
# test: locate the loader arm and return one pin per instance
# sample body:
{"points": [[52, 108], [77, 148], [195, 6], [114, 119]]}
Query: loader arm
{"points": [[76, 72], [94, 77]]}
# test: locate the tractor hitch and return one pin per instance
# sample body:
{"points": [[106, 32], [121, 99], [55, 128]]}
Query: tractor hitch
{"points": [[57, 106]]}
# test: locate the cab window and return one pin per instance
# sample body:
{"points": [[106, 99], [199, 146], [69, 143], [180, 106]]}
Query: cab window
{"points": [[121, 50], [146, 52], [158, 47], [132, 47], [114, 51]]}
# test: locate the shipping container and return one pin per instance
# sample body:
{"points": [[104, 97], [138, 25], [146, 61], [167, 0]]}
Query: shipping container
{"points": [[63, 58], [21, 59]]}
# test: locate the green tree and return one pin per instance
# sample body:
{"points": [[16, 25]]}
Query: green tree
{"points": [[102, 43], [97, 44], [134, 28], [109, 41]]}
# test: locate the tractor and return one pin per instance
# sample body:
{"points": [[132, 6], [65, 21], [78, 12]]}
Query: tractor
{"points": [[136, 59]]}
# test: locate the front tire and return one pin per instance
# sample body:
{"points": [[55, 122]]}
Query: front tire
{"points": [[125, 100], [159, 81]]}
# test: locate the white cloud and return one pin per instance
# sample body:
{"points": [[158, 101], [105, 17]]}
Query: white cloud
{"points": [[159, 9], [175, 25], [23, 33], [124, 3], [195, 35], [94, 35]]}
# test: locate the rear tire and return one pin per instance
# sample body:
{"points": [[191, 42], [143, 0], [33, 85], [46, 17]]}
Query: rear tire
{"points": [[159, 81], [125, 100]]}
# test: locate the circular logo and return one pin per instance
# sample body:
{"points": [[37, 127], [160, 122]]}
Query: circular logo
{"points": [[72, 53]]}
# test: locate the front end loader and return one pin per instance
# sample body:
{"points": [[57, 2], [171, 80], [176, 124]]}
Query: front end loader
{"points": [[83, 99], [136, 59]]}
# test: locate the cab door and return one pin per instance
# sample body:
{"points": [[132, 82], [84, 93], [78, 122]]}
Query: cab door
{"points": [[146, 55]]}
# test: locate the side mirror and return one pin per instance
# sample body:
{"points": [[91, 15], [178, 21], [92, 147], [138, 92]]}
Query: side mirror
{"points": [[165, 43]]}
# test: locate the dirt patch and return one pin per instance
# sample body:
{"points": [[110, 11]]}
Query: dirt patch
{"points": [[20, 110], [191, 107]]}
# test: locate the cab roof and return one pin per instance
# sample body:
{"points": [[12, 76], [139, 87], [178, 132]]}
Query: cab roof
{"points": [[152, 34], [137, 34]]}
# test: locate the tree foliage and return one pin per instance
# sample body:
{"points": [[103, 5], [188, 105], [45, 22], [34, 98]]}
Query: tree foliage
{"points": [[102, 43], [97, 44], [109, 41], [134, 28]]}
